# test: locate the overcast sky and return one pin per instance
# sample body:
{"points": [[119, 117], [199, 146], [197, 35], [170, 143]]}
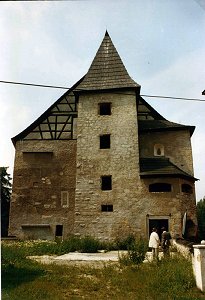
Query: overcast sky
{"points": [[161, 43]]}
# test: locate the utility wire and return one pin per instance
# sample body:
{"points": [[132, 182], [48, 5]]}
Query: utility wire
{"points": [[67, 88], [33, 84]]}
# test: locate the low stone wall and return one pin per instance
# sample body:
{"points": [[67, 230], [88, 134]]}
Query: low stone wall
{"points": [[185, 248], [195, 253]]}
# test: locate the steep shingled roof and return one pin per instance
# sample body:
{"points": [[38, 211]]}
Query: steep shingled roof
{"points": [[162, 166], [107, 70]]}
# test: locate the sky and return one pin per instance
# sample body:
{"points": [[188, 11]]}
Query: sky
{"points": [[161, 43]]}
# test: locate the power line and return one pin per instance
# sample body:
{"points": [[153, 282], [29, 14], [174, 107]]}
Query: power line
{"points": [[175, 98], [67, 88], [37, 85]]}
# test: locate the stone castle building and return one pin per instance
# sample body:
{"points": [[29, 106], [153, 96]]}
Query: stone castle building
{"points": [[101, 161]]}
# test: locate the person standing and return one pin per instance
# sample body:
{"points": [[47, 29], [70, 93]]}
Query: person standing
{"points": [[165, 242], [154, 243]]}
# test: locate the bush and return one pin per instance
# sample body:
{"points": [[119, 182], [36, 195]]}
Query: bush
{"points": [[89, 245], [136, 253], [70, 245], [124, 243]]}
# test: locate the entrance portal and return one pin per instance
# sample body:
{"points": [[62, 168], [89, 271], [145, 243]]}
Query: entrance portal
{"points": [[158, 224]]}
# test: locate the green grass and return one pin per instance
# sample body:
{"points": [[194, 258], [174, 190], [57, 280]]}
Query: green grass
{"points": [[85, 244], [25, 279], [39, 247]]}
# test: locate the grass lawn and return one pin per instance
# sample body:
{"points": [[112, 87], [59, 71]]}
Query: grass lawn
{"points": [[26, 279]]}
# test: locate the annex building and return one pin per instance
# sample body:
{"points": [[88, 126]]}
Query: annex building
{"points": [[101, 162]]}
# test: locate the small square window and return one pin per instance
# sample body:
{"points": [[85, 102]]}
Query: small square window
{"points": [[105, 141], [106, 183], [105, 109], [107, 207]]}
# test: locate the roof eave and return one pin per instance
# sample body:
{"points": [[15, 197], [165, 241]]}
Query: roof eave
{"points": [[107, 90], [190, 128], [161, 175]]}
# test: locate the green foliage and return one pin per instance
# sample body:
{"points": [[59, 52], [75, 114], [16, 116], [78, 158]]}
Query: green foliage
{"points": [[176, 272], [89, 245], [16, 268], [201, 218], [5, 184], [69, 245], [24, 279], [11, 258], [40, 247], [29, 248], [136, 254], [5, 188], [85, 244], [125, 242]]}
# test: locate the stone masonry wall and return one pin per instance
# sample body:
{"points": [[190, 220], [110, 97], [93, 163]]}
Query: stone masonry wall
{"points": [[40, 179], [172, 205], [121, 161], [133, 204], [38, 183]]}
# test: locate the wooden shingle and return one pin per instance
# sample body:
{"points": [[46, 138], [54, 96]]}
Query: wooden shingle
{"points": [[107, 70], [155, 167]]}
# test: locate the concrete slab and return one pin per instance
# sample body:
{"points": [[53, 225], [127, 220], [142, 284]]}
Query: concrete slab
{"points": [[102, 256], [78, 258]]}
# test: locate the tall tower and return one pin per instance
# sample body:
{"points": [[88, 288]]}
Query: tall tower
{"points": [[107, 146]]}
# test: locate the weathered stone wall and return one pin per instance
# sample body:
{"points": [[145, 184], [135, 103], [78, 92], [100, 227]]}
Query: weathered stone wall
{"points": [[177, 146], [39, 180], [45, 168], [121, 161], [132, 202], [172, 204]]}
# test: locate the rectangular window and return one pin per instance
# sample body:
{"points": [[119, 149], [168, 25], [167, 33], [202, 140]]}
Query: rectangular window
{"points": [[106, 183], [104, 109], [64, 199], [107, 207], [105, 141]]}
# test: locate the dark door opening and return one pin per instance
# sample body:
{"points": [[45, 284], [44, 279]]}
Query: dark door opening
{"points": [[59, 230], [158, 223]]}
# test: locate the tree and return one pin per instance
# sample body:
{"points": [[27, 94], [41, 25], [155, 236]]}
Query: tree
{"points": [[5, 188], [201, 218]]}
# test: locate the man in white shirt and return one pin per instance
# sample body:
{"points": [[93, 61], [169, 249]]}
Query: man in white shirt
{"points": [[154, 243]]}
